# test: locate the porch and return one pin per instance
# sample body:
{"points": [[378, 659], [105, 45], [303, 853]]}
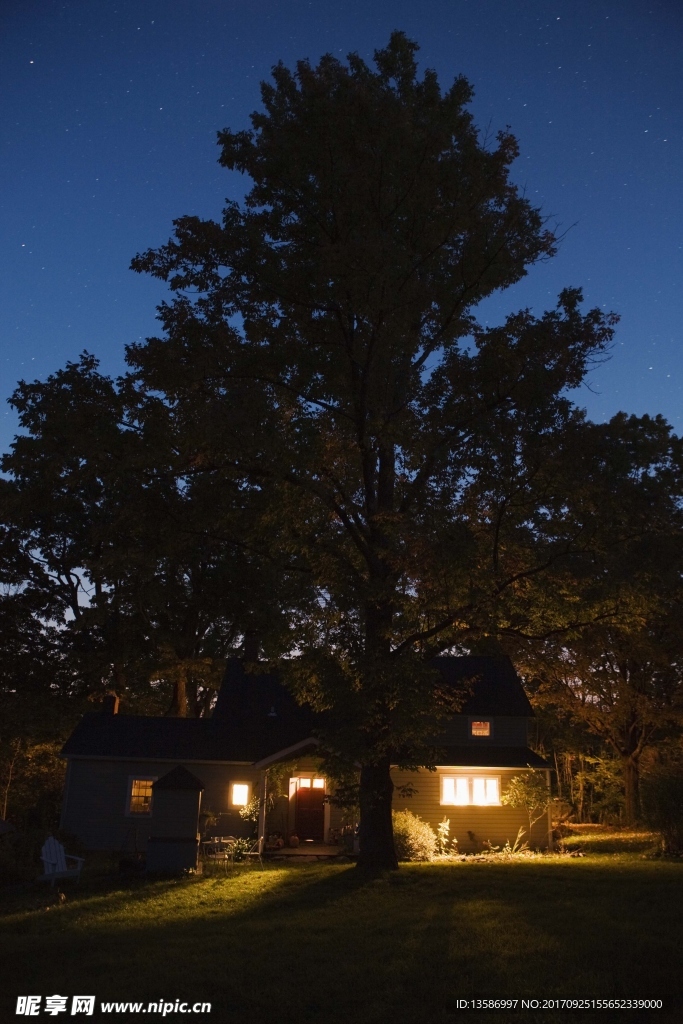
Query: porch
{"points": [[309, 850]]}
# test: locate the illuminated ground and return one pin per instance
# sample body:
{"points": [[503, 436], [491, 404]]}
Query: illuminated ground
{"points": [[316, 942]]}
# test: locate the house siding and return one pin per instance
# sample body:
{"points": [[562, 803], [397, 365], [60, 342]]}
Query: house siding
{"points": [[96, 799], [497, 824]]}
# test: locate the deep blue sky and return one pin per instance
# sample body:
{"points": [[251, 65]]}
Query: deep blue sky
{"points": [[109, 113]]}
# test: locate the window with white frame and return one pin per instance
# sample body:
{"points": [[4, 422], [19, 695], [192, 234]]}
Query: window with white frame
{"points": [[140, 794], [470, 790], [308, 782], [239, 794]]}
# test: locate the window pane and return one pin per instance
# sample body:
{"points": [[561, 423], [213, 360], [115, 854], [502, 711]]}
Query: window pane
{"points": [[479, 791], [492, 791], [141, 796], [318, 783], [304, 783], [481, 728], [240, 794], [448, 791], [462, 791]]}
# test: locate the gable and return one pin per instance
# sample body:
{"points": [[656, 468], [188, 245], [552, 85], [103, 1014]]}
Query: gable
{"points": [[494, 686]]}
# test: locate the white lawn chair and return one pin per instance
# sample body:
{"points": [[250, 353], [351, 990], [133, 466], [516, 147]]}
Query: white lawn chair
{"points": [[255, 851], [55, 862]]}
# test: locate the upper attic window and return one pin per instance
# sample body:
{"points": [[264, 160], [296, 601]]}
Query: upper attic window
{"points": [[480, 727]]}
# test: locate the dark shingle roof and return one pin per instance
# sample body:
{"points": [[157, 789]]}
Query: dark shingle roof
{"points": [[255, 717], [495, 688], [472, 756]]}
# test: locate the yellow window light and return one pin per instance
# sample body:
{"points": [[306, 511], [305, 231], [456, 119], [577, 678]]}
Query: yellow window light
{"points": [[240, 794], [141, 796]]}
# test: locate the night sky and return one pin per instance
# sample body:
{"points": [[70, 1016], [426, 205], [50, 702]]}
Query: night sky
{"points": [[109, 113]]}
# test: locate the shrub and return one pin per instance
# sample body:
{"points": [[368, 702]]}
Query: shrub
{"points": [[240, 847], [662, 804], [529, 791], [414, 838]]}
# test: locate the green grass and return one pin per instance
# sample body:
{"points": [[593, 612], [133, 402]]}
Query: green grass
{"points": [[317, 942]]}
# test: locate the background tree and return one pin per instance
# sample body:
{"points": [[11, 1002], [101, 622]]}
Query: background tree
{"points": [[133, 571], [626, 685], [322, 343], [621, 676]]}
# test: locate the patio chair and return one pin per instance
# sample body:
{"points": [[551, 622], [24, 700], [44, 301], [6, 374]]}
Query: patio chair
{"points": [[255, 851], [55, 862]]}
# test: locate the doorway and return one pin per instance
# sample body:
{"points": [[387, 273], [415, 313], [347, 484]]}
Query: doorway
{"points": [[310, 810]]}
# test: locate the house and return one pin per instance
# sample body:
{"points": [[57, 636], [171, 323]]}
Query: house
{"points": [[482, 748], [258, 741]]}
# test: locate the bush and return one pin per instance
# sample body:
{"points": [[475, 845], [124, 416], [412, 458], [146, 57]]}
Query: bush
{"points": [[662, 805], [414, 838]]}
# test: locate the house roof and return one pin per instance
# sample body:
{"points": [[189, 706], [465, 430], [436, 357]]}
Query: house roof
{"points": [[472, 756], [495, 688], [255, 717]]}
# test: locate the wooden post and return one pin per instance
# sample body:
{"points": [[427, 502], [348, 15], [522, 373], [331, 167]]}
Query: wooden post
{"points": [[262, 812]]}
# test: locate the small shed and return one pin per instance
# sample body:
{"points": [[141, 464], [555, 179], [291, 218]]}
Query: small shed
{"points": [[173, 844]]}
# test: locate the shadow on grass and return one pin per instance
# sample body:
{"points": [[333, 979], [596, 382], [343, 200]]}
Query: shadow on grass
{"points": [[307, 942]]}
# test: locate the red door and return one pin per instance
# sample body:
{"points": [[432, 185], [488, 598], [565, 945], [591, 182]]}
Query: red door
{"points": [[310, 813]]}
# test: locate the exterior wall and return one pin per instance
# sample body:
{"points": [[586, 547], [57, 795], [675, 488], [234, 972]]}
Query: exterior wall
{"points": [[96, 803], [498, 824], [95, 806]]}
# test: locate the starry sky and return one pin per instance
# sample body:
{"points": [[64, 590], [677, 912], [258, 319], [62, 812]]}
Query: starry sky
{"points": [[108, 121]]}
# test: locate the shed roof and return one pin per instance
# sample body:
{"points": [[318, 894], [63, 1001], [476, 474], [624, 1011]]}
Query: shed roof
{"points": [[178, 778]]}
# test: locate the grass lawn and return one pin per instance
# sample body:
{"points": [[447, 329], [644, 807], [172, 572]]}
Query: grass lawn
{"points": [[317, 943]]}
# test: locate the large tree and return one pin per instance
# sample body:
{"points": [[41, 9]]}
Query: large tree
{"points": [[429, 473]]}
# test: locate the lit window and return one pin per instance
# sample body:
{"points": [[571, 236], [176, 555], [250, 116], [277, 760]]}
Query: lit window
{"points": [[240, 794], [318, 783], [304, 783], [480, 729], [462, 790], [456, 790], [140, 800], [478, 791]]}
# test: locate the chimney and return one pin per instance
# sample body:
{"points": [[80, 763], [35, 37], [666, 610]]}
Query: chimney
{"points": [[110, 704]]}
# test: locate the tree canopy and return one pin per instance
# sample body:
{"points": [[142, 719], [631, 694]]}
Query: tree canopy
{"points": [[432, 476]]}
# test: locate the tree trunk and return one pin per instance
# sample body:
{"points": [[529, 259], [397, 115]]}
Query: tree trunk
{"points": [[377, 851], [631, 773], [178, 708]]}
